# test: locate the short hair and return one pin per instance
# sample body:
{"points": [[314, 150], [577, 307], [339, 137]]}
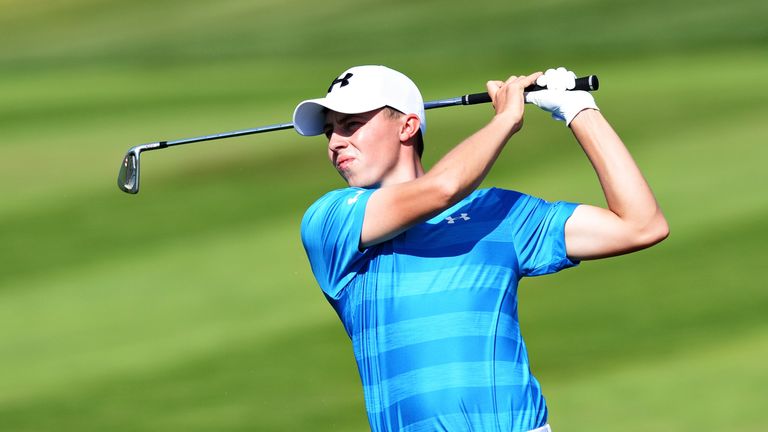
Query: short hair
{"points": [[395, 114]]}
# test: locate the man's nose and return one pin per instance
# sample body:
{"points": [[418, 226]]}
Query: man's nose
{"points": [[336, 142]]}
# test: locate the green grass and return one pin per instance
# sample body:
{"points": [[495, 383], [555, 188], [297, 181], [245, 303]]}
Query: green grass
{"points": [[718, 387], [191, 305]]}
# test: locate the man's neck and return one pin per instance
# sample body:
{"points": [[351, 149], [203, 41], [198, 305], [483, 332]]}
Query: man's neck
{"points": [[405, 172]]}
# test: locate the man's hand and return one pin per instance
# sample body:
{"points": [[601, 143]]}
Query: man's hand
{"points": [[557, 99], [508, 98]]}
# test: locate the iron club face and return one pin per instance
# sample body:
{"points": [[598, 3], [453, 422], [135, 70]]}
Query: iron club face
{"points": [[128, 177]]}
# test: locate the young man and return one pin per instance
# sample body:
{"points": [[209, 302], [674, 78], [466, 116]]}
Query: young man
{"points": [[423, 268]]}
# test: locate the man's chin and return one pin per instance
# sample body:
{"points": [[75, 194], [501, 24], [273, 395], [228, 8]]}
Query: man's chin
{"points": [[359, 183]]}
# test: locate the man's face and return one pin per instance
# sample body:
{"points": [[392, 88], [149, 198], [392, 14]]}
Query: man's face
{"points": [[364, 148]]}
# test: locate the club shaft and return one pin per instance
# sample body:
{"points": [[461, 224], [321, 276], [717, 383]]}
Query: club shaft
{"points": [[588, 83], [243, 132]]}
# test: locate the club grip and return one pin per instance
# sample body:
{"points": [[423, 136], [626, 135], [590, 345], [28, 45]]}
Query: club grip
{"points": [[587, 83]]}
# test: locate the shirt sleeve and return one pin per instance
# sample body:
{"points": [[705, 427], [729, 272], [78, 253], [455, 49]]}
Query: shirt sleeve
{"points": [[330, 232], [538, 229]]}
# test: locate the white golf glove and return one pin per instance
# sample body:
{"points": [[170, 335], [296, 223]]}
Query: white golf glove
{"points": [[557, 99]]}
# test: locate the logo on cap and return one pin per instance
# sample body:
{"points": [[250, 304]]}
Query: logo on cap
{"points": [[343, 80]]}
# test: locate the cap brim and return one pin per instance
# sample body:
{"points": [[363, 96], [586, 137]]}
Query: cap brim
{"points": [[309, 116]]}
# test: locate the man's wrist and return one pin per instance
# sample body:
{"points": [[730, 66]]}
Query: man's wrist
{"points": [[583, 117], [571, 117], [506, 123]]}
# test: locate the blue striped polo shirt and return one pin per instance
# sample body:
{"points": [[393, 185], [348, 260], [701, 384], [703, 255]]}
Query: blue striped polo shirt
{"points": [[432, 313]]}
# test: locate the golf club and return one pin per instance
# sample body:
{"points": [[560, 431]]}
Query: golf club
{"points": [[128, 177]]}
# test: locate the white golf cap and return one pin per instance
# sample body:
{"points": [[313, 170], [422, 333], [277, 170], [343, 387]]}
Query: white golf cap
{"points": [[357, 90]]}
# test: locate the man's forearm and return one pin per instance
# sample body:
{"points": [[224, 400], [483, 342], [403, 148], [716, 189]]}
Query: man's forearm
{"points": [[463, 168], [452, 178], [626, 191]]}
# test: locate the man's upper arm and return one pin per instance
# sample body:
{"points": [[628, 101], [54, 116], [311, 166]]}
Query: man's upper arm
{"points": [[594, 232]]}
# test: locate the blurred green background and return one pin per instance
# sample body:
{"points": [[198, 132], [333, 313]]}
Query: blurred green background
{"points": [[191, 305]]}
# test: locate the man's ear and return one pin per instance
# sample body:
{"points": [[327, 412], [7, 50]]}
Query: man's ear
{"points": [[410, 127]]}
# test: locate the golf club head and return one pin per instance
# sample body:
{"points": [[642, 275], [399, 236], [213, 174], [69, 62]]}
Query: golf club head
{"points": [[128, 177]]}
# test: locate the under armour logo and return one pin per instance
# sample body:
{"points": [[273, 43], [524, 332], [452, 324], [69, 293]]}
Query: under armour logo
{"points": [[343, 81], [353, 200], [463, 216]]}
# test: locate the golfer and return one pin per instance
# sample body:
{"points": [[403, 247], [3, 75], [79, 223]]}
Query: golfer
{"points": [[422, 267]]}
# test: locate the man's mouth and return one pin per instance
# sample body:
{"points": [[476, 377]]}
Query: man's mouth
{"points": [[342, 162]]}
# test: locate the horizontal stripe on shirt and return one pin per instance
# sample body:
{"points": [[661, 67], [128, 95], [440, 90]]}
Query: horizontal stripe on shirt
{"points": [[441, 377], [451, 325]]}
